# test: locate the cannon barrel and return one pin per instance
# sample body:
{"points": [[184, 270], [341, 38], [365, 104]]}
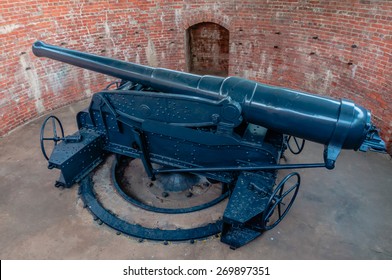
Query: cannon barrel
{"points": [[338, 124]]}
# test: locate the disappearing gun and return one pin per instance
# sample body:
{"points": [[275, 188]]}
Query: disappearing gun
{"points": [[229, 130]]}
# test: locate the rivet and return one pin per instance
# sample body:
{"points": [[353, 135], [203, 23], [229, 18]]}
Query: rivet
{"points": [[189, 194]]}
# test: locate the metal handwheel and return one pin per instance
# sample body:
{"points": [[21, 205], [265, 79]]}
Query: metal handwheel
{"points": [[299, 148], [55, 138], [276, 201]]}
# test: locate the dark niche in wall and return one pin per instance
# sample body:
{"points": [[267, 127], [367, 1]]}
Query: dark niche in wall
{"points": [[208, 49]]}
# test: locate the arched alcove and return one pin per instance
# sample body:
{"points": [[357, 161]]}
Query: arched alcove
{"points": [[208, 49]]}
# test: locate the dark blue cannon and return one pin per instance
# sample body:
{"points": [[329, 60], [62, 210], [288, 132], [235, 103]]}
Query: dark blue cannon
{"points": [[229, 130]]}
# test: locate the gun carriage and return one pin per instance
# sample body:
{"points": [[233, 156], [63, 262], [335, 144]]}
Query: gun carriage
{"points": [[187, 130]]}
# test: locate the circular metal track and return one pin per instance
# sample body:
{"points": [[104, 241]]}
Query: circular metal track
{"points": [[109, 206], [117, 173]]}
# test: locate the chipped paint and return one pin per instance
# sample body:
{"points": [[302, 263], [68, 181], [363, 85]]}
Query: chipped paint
{"points": [[108, 34], [151, 54], [327, 82], [353, 71], [178, 17], [31, 76], [5, 29]]}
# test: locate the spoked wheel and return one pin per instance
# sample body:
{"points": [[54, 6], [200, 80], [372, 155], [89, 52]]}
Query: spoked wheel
{"points": [[281, 199], [55, 123], [299, 145]]}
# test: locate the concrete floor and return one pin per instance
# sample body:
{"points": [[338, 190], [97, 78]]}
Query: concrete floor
{"points": [[340, 214]]}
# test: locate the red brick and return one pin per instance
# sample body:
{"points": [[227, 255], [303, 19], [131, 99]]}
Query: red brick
{"points": [[337, 24]]}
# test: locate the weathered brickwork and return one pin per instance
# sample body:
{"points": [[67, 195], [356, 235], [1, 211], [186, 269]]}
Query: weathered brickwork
{"points": [[208, 49], [334, 48]]}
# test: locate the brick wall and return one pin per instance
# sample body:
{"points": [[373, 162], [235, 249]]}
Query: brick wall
{"points": [[335, 48]]}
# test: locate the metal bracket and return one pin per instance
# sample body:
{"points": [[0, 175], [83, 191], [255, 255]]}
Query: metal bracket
{"points": [[76, 159], [144, 154], [342, 127]]}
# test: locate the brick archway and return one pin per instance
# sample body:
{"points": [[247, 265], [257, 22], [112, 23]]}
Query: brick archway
{"points": [[208, 49]]}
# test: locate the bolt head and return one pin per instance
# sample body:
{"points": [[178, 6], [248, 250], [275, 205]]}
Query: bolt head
{"points": [[189, 194]]}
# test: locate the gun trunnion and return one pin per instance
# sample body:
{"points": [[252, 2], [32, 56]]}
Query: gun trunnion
{"points": [[230, 130]]}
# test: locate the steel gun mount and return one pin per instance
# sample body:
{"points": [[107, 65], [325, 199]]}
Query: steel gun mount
{"points": [[228, 131]]}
